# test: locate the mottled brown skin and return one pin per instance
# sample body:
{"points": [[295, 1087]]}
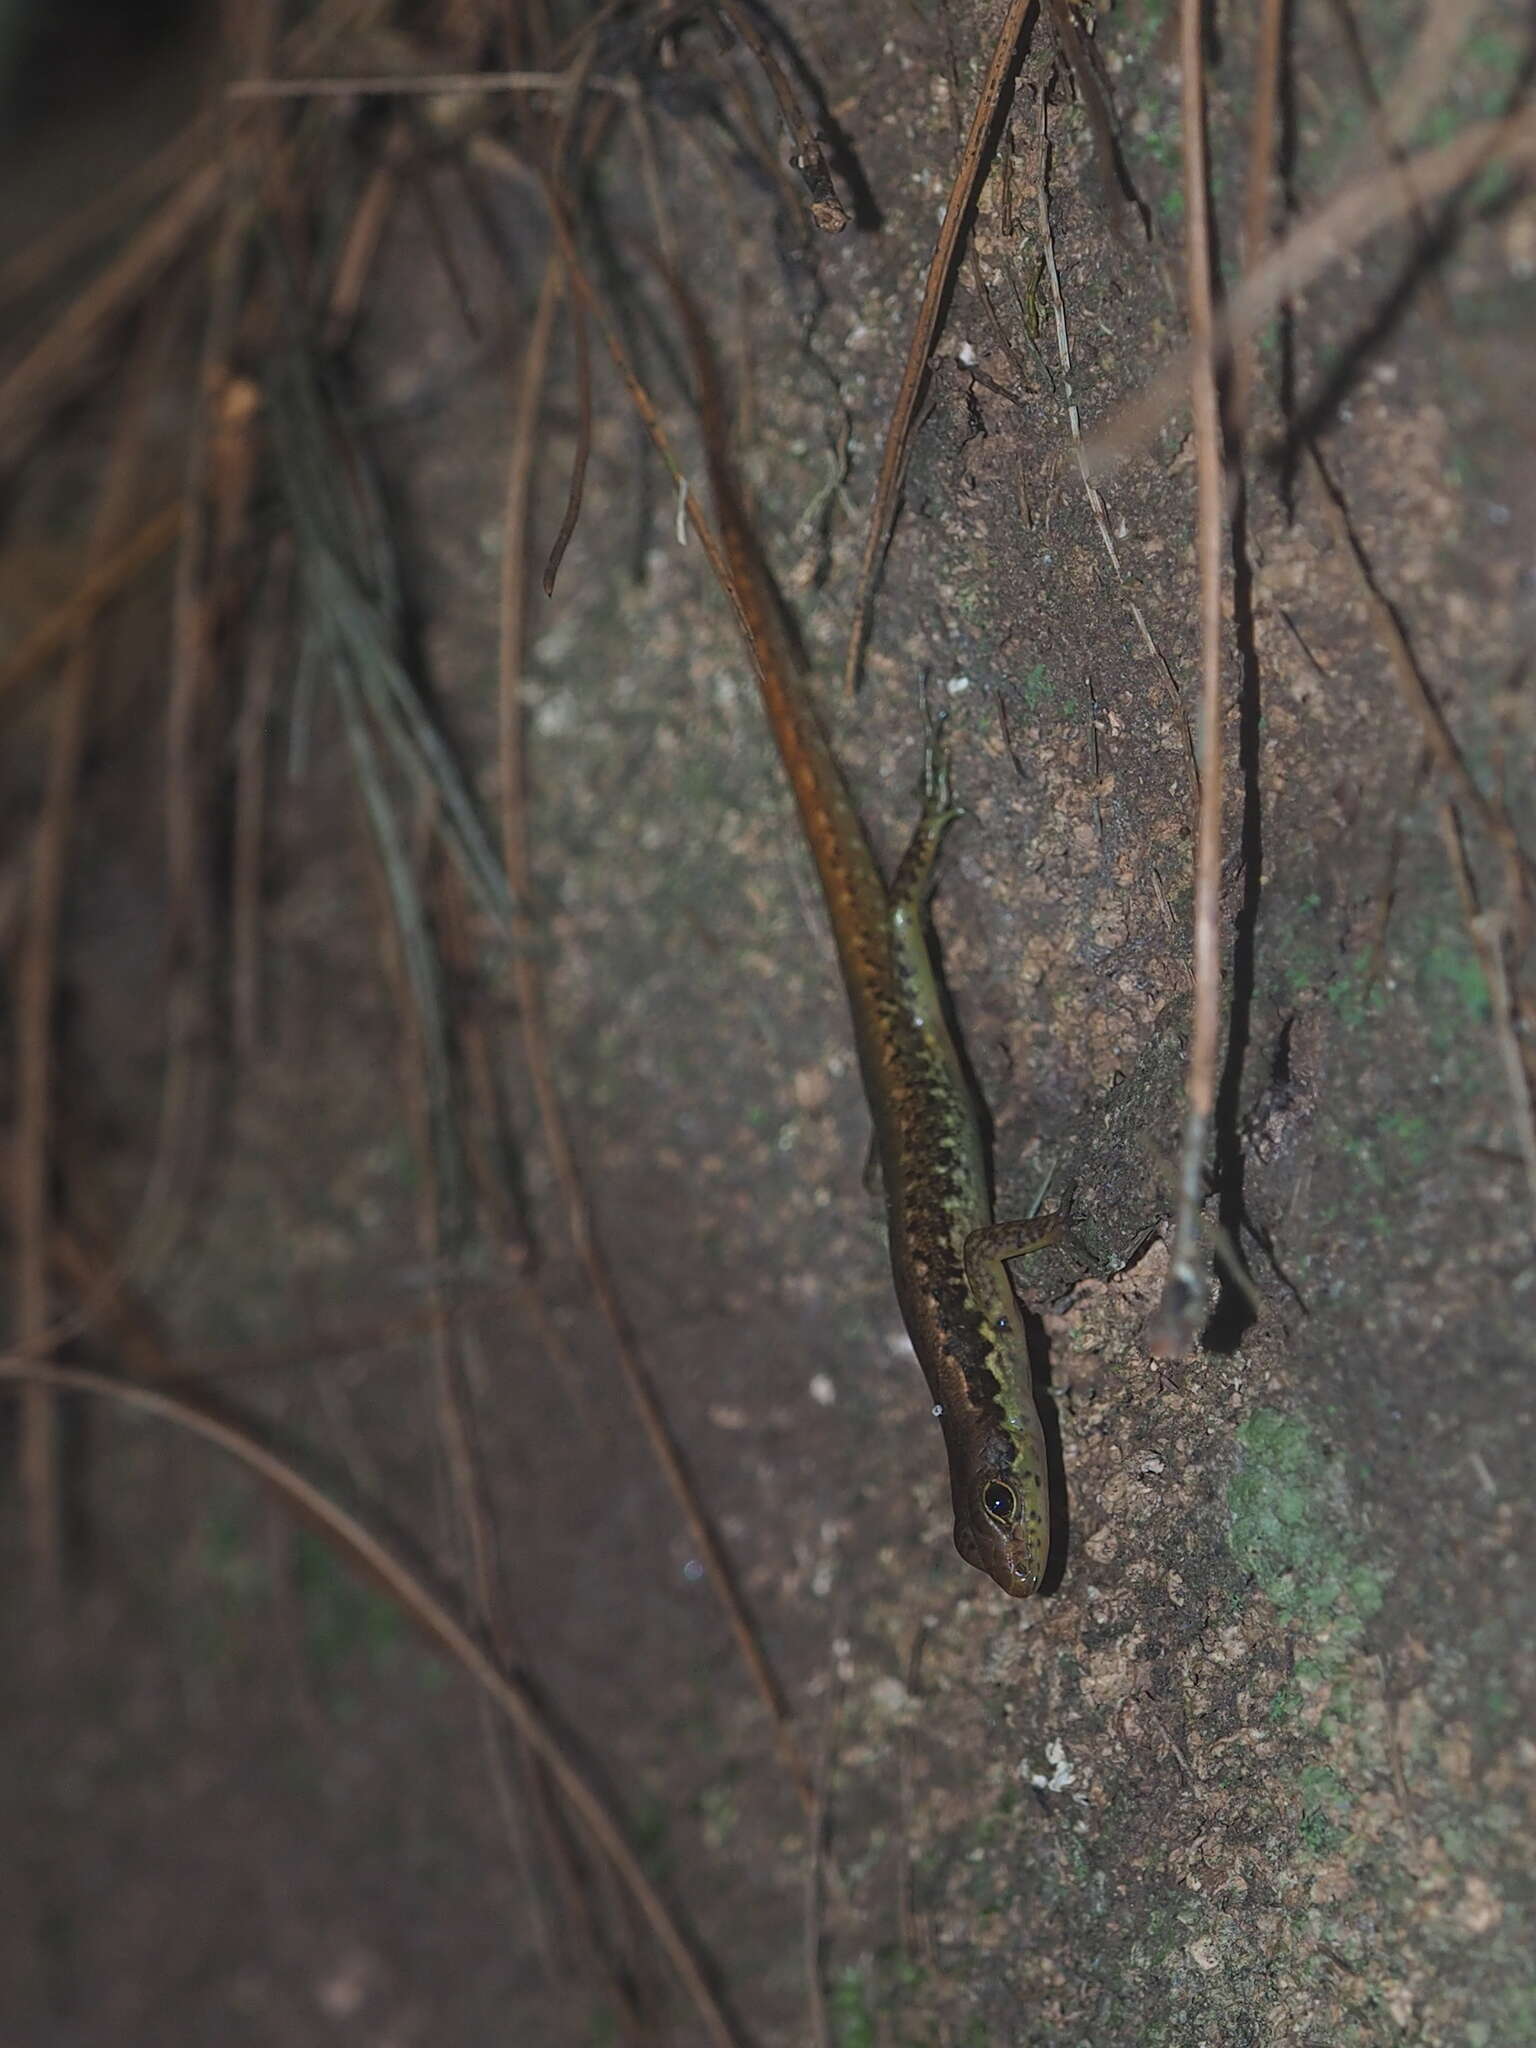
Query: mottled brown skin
{"points": [[947, 1256]]}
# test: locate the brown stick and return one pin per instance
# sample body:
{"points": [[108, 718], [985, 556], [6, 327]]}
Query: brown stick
{"points": [[52, 369], [470, 1503], [537, 1050], [102, 582], [65, 241], [1413, 686], [251, 803], [1171, 1332], [827, 210], [361, 246], [1261, 170], [1487, 930], [32, 1156], [434, 83], [962, 194], [377, 1562], [1351, 217]]}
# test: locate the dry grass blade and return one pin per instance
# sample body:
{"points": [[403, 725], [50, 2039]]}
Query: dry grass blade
{"points": [[1172, 1330], [1353, 216], [537, 1049], [378, 1563], [962, 195]]}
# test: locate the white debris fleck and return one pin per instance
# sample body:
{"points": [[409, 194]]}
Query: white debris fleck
{"points": [[822, 1391], [957, 686], [558, 714], [1061, 1776]]}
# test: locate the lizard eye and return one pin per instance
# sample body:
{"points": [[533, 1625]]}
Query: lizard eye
{"points": [[999, 1502]]}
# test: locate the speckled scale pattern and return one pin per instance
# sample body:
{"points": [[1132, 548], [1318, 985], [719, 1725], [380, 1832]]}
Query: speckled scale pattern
{"points": [[928, 1134]]}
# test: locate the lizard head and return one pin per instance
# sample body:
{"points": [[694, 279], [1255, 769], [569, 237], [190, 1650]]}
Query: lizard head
{"points": [[1002, 1520]]}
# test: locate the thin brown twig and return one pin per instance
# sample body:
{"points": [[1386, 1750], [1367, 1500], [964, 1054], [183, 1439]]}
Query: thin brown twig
{"points": [[1395, 1753], [378, 1563], [537, 1050], [1487, 929], [1261, 170], [1390, 148], [361, 244], [62, 357], [33, 265], [187, 1081], [827, 210], [755, 135], [65, 240], [814, 1917], [101, 583], [218, 476], [744, 382], [1413, 686], [1091, 490], [443, 83], [1341, 224], [57, 362], [251, 734], [916, 1945], [500, 1214], [1428, 68], [500, 159], [77, 1262], [455, 1431], [514, 538], [1171, 1332], [32, 1159], [581, 348], [1079, 56], [966, 184], [650, 178], [424, 192]]}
